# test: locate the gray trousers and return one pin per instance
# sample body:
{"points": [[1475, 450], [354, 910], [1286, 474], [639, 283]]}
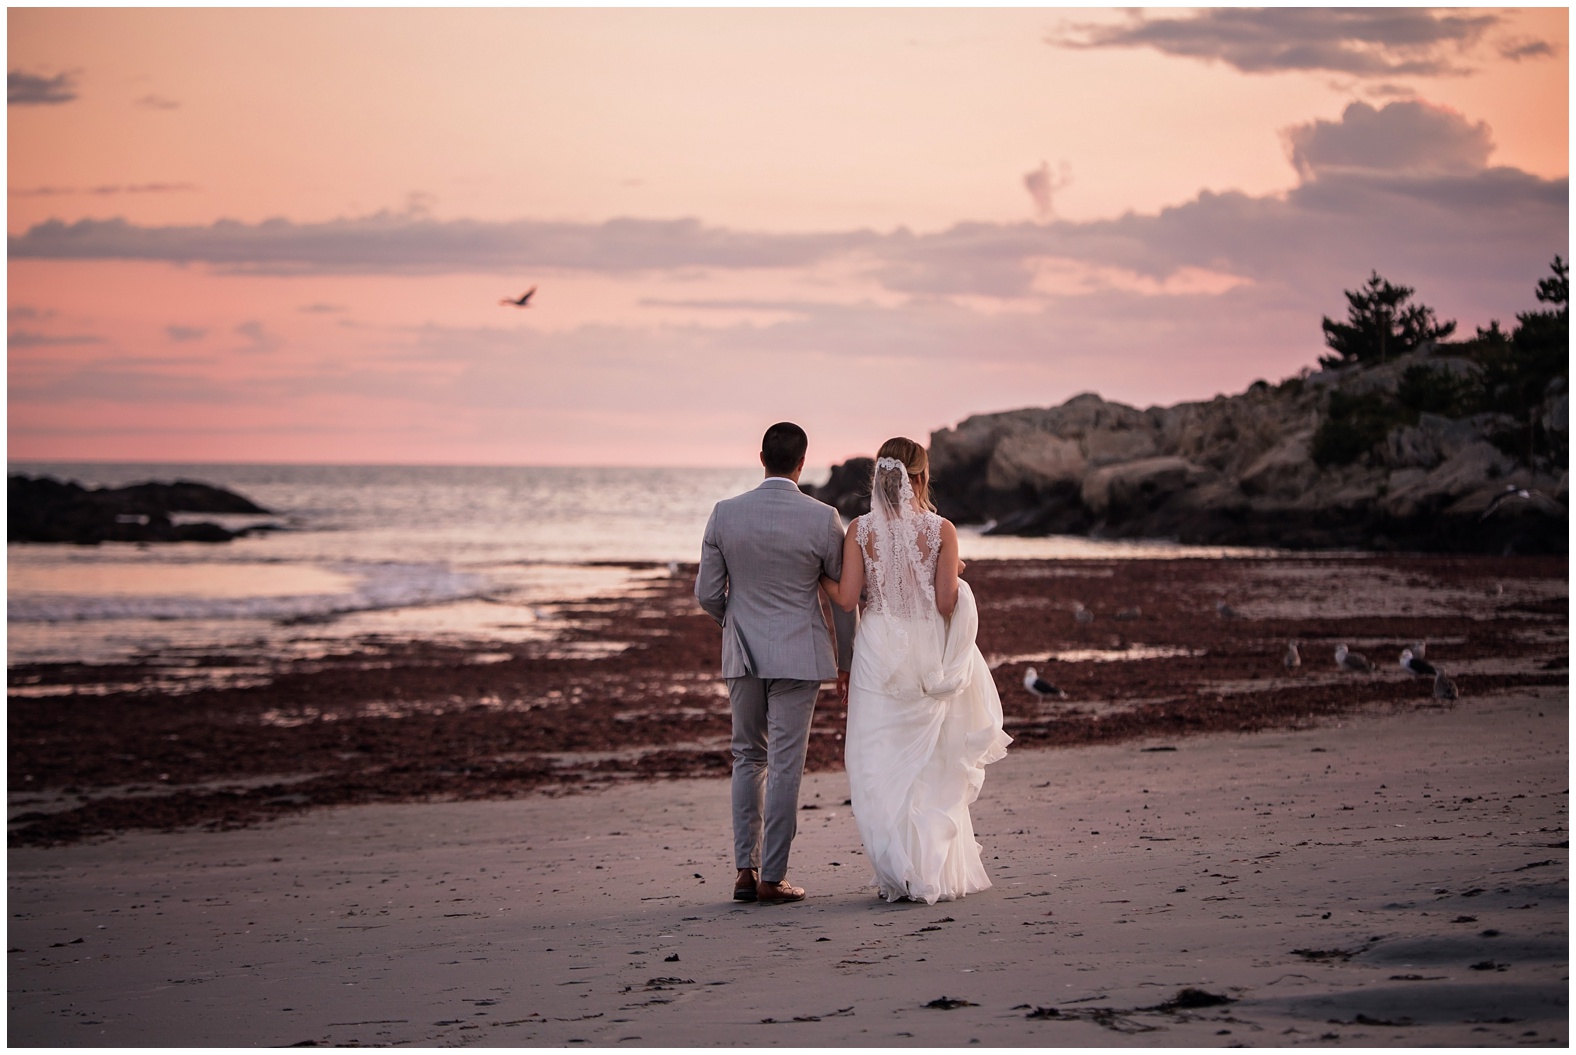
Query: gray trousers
{"points": [[771, 730]]}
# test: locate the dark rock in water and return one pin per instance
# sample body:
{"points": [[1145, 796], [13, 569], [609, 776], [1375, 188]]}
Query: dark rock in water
{"points": [[848, 488], [43, 509]]}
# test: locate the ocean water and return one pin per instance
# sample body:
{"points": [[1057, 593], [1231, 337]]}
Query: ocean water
{"points": [[432, 552]]}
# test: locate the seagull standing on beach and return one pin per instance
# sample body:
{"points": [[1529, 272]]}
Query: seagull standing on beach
{"points": [[523, 301], [1512, 493], [1225, 611], [1355, 662], [1082, 614], [1415, 664], [1444, 688], [1041, 688], [1292, 659]]}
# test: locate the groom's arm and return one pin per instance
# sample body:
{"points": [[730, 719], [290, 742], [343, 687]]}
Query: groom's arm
{"points": [[711, 584], [843, 623]]}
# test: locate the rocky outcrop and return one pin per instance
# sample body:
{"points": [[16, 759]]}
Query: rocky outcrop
{"points": [[43, 509], [1242, 470], [848, 489]]}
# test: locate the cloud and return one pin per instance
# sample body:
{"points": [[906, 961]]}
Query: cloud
{"points": [[1362, 186], [32, 339], [105, 189], [185, 333], [258, 339], [1517, 50], [1404, 137], [1365, 42], [158, 102], [28, 89], [402, 242], [1386, 90], [133, 381], [1042, 187], [1196, 298], [1366, 202]]}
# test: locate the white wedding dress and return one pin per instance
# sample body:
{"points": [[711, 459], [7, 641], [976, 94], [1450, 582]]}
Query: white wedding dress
{"points": [[924, 717]]}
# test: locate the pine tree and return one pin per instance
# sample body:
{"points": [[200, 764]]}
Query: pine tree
{"points": [[1380, 324]]}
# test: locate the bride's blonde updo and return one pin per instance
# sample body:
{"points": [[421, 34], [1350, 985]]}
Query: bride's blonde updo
{"points": [[916, 461]]}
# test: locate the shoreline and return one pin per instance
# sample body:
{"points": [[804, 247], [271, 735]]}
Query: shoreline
{"points": [[626, 687]]}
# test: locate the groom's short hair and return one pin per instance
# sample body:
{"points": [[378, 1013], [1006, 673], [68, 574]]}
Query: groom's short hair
{"points": [[783, 447]]}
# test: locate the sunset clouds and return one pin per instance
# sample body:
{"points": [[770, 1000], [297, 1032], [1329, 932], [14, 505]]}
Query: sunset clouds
{"points": [[222, 327], [30, 89], [1409, 137], [1365, 42]]}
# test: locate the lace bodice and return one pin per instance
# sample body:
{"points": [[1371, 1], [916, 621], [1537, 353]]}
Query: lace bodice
{"points": [[886, 591]]}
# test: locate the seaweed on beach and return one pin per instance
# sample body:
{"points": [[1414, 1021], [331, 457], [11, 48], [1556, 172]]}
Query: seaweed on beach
{"points": [[1191, 999], [628, 690]]}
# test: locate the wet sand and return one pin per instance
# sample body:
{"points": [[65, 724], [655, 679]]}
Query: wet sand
{"points": [[527, 843], [1379, 879]]}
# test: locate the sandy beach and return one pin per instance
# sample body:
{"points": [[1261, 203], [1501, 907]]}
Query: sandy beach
{"points": [[403, 845], [1382, 879]]}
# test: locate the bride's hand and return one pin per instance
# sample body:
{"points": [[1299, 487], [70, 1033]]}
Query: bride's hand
{"points": [[961, 565]]}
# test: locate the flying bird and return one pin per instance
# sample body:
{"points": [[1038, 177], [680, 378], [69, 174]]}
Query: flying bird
{"points": [[1512, 493], [1355, 662], [1412, 663], [1041, 688], [1292, 659], [1444, 688], [523, 301]]}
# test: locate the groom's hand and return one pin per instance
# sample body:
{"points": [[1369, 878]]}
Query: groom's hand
{"points": [[842, 687]]}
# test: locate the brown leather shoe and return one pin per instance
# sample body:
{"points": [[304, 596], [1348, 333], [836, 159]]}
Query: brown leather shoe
{"points": [[744, 886], [780, 891]]}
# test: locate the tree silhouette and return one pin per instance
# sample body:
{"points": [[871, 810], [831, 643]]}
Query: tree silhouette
{"points": [[1380, 324]]}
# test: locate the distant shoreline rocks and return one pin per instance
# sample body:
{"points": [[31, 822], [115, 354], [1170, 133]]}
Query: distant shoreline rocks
{"points": [[1253, 470], [44, 509]]}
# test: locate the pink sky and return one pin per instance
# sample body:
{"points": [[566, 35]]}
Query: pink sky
{"points": [[282, 235]]}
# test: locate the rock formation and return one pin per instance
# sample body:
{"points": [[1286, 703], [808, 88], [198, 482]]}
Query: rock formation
{"points": [[43, 509], [1246, 469]]}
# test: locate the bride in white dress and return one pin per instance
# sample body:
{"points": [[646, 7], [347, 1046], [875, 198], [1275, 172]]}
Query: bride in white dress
{"points": [[924, 718]]}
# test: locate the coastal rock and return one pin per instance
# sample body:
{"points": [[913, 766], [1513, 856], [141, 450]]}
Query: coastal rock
{"points": [[1105, 446], [848, 489], [1138, 487], [1468, 470], [1036, 461], [1248, 469], [43, 509], [1285, 471]]}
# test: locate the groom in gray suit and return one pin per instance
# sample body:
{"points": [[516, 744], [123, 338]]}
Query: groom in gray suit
{"points": [[760, 568]]}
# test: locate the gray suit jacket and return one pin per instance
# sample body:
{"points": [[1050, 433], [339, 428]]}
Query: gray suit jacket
{"points": [[760, 570]]}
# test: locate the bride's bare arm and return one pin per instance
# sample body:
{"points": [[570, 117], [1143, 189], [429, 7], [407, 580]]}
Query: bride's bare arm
{"points": [[947, 567], [845, 592]]}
